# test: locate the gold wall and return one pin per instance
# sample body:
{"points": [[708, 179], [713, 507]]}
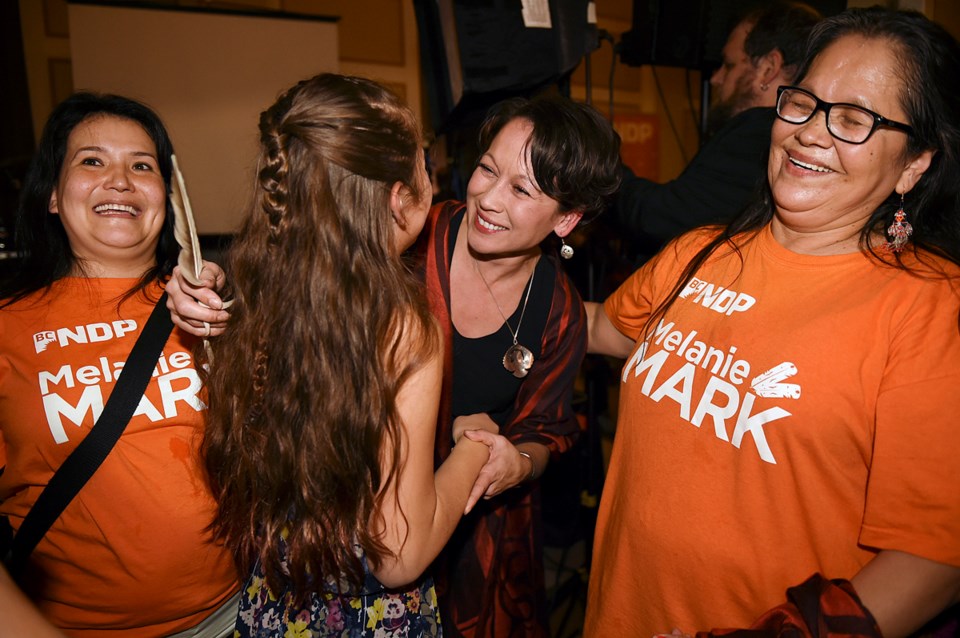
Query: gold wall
{"points": [[378, 39]]}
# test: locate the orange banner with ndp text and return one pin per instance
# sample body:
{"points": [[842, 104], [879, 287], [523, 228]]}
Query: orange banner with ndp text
{"points": [[640, 143]]}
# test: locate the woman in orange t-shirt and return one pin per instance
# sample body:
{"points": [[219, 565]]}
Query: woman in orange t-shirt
{"points": [[789, 401], [130, 555]]}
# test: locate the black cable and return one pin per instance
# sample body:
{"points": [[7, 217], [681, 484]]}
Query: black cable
{"points": [[603, 34]]}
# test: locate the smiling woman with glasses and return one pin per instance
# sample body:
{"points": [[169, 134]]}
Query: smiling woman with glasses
{"points": [[788, 406], [846, 122]]}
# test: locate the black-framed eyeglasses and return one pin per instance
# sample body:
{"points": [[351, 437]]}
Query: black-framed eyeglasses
{"points": [[846, 122]]}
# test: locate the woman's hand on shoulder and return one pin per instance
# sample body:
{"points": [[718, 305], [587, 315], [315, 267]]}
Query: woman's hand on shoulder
{"points": [[198, 310]]}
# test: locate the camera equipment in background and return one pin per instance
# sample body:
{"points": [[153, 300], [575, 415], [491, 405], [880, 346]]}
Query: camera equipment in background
{"points": [[475, 54], [690, 33]]}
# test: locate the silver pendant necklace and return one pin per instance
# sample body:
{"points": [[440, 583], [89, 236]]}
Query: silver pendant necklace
{"points": [[518, 359]]}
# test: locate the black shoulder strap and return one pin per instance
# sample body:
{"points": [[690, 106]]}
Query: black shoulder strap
{"points": [[94, 448]]}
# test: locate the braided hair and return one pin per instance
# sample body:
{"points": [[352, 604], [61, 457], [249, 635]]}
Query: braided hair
{"points": [[303, 392]]}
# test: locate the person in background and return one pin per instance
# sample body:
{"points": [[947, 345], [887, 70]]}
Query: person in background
{"points": [[324, 391], [130, 555], [788, 405], [515, 336], [762, 52]]}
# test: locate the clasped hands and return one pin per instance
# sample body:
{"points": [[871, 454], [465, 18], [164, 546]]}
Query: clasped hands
{"points": [[505, 468], [194, 308]]}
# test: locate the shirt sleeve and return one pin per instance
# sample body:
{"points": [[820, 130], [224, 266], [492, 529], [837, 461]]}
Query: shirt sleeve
{"points": [[630, 305], [913, 491]]}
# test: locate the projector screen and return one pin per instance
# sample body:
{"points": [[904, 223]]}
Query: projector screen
{"points": [[208, 75]]}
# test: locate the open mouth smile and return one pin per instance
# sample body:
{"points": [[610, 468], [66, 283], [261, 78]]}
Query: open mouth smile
{"points": [[487, 225], [810, 167], [116, 209]]}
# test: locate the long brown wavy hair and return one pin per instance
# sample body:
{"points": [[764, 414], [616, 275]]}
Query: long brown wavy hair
{"points": [[303, 388]]}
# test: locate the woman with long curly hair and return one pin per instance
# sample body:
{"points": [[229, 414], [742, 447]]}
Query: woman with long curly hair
{"points": [[324, 391], [514, 331]]}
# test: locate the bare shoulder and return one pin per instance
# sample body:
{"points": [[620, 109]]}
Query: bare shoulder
{"points": [[417, 341]]}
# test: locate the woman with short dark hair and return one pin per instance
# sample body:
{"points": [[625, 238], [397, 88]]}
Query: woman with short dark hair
{"points": [[545, 165]]}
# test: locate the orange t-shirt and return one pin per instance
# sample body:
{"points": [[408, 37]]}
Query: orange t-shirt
{"points": [[129, 556], [791, 414]]}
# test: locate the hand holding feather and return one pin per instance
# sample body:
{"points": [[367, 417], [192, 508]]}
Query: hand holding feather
{"points": [[189, 260]]}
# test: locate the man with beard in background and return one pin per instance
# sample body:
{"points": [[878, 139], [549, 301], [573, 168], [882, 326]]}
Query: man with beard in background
{"points": [[761, 53]]}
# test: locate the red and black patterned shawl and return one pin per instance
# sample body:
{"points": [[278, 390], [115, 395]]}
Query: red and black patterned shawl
{"points": [[496, 554]]}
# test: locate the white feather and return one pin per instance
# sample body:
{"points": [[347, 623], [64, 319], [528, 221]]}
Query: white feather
{"points": [[185, 228]]}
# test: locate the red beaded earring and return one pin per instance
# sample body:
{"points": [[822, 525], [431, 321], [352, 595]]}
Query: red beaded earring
{"points": [[900, 230]]}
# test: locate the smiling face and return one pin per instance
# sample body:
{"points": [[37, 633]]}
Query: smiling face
{"points": [[111, 197], [821, 184], [507, 213]]}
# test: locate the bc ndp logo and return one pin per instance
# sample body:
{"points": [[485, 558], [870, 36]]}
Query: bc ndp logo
{"points": [[42, 339], [90, 333], [717, 298]]}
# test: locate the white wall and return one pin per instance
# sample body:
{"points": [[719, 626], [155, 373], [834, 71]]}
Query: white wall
{"points": [[208, 76]]}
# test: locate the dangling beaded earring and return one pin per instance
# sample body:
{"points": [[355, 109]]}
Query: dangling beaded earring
{"points": [[566, 250], [900, 230]]}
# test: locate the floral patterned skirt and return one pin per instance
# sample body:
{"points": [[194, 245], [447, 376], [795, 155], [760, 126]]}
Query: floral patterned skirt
{"points": [[374, 613]]}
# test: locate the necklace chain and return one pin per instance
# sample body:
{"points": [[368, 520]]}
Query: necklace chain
{"points": [[513, 332]]}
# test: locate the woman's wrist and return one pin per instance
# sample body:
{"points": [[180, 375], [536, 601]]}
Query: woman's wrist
{"points": [[533, 466]]}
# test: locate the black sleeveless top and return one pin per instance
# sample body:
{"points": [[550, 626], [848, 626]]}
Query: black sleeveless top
{"points": [[480, 382]]}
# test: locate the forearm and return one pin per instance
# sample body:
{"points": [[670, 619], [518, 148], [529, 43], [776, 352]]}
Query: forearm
{"points": [[904, 591], [892, 596], [602, 336], [20, 617], [429, 528], [479, 421], [454, 480]]}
